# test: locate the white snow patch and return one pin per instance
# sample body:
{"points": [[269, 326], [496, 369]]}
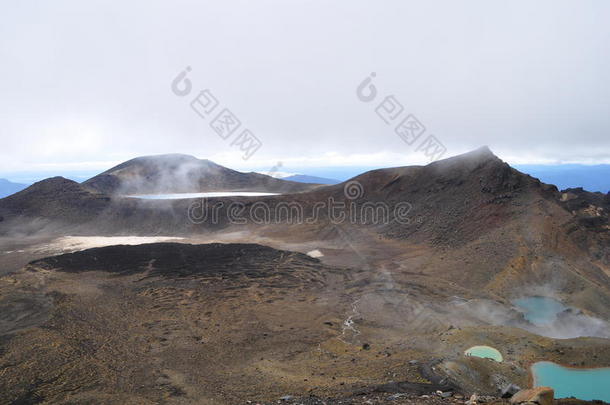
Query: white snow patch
{"points": [[315, 253], [75, 243]]}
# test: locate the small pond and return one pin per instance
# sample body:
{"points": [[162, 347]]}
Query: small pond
{"points": [[485, 352]]}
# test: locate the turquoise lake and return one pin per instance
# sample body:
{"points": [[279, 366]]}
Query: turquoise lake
{"points": [[586, 384], [540, 310]]}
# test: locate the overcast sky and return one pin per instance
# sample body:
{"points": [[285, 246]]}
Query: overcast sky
{"points": [[85, 84]]}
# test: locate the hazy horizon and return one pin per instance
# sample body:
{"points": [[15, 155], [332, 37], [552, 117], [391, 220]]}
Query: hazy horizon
{"points": [[593, 177]]}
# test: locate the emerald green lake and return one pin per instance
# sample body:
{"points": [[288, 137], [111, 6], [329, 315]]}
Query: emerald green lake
{"points": [[585, 383], [485, 352]]}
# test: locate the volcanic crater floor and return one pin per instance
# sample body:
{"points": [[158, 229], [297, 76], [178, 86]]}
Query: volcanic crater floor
{"points": [[229, 323]]}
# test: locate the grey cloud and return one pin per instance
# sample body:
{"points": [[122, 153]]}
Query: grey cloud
{"points": [[87, 81]]}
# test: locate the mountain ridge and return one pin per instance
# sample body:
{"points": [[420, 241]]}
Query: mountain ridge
{"points": [[178, 173]]}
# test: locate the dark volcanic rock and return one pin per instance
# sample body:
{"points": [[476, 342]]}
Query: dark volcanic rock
{"points": [[178, 260]]}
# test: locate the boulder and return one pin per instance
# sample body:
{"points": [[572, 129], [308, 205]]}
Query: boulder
{"points": [[473, 399], [538, 395], [508, 390]]}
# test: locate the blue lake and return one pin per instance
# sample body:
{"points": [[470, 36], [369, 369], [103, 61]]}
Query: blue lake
{"points": [[586, 384], [540, 310], [179, 196]]}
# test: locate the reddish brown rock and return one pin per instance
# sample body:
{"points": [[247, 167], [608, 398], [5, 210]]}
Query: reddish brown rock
{"points": [[538, 395]]}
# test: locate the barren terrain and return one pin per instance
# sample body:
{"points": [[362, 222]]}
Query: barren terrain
{"points": [[106, 306]]}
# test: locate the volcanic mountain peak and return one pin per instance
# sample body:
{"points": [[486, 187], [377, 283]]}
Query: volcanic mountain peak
{"points": [[177, 173], [54, 190], [167, 161], [483, 151], [480, 153], [52, 184], [479, 170], [55, 198], [469, 161]]}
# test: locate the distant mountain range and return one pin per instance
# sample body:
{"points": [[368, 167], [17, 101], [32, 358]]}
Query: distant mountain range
{"points": [[589, 177], [7, 188], [441, 187]]}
